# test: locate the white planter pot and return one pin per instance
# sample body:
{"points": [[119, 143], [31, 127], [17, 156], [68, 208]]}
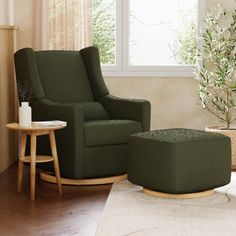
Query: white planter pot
{"points": [[25, 114], [229, 133]]}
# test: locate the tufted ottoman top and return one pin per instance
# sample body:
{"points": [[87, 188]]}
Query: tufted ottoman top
{"points": [[177, 135]]}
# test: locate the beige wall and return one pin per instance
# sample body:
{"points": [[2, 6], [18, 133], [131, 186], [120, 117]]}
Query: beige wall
{"points": [[174, 100], [24, 19], [229, 4], [23, 14], [8, 103]]}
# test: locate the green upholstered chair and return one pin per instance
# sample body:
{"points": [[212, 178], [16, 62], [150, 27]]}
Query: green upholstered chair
{"points": [[69, 86]]}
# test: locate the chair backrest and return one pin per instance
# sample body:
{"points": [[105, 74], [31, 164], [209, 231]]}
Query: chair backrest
{"points": [[61, 76]]}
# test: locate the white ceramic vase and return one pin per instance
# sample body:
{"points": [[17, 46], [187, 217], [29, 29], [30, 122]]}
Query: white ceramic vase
{"points": [[25, 114]]}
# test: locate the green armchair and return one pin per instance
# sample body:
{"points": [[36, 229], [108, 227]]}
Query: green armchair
{"points": [[69, 86]]}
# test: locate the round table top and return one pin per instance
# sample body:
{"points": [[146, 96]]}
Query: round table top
{"points": [[33, 127]]}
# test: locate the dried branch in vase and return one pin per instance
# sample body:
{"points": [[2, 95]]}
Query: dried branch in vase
{"points": [[25, 91]]}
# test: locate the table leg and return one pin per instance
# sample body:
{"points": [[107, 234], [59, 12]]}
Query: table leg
{"points": [[33, 140], [21, 163], [56, 164]]}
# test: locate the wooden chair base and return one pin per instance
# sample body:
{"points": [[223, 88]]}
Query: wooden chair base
{"points": [[178, 196], [49, 177]]}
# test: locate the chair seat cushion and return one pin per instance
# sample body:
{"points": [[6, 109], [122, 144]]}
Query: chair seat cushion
{"points": [[108, 132]]}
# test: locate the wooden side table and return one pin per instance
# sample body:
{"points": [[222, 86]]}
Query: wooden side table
{"points": [[34, 131]]}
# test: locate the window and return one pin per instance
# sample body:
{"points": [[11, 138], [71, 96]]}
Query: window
{"points": [[147, 37], [104, 30]]}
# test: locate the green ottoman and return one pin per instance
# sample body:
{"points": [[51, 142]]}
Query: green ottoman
{"points": [[179, 163]]}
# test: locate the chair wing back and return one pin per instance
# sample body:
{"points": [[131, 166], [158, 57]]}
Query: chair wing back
{"points": [[61, 76]]}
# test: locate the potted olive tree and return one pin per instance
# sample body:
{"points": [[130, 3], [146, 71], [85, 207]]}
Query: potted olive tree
{"points": [[217, 72]]}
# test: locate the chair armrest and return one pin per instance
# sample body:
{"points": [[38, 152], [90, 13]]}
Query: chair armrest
{"points": [[131, 109], [46, 109], [70, 140]]}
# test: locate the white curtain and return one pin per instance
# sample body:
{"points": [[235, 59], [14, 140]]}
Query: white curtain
{"points": [[63, 24]]}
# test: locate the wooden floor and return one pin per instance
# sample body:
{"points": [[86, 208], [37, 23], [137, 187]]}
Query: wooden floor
{"points": [[75, 212]]}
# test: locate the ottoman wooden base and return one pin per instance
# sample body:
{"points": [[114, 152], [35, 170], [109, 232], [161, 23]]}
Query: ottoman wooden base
{"points": [[49, 177], [178, 196]]}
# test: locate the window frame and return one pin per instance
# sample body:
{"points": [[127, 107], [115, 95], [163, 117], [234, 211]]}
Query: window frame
{"points": [[122, 67]]}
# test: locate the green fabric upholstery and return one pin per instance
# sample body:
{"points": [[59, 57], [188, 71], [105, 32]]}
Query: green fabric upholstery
{"points": [[69, 86], [92, 110], [105, 160], [27, 71], [179, 160], [101, 132], [128, 109], [70, 82], [92, 62], [70, 143]]}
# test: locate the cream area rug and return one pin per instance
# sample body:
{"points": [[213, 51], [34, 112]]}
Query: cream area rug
{"points": [[129, 212]]}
